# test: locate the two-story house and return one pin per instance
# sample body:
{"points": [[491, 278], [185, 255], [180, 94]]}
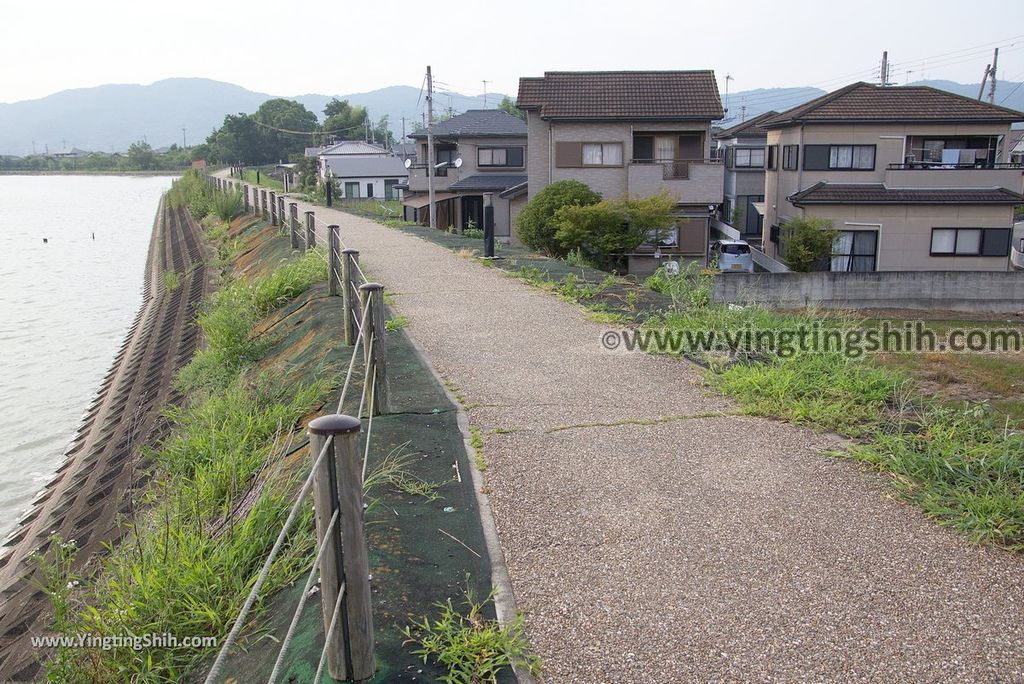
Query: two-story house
{"points": [[913, 178], [630, 133], [478, 156], [743, 148]]}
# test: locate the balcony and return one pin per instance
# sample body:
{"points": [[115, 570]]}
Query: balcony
{"points": [[692, 181], [934, 175], [443, 177]]}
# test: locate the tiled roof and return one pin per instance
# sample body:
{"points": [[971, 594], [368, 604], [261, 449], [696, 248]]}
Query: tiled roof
{"points": [[878, 193], [353, 147], [618, 95], [488, 181], [905, 104], [478, 123], [747, 129]]}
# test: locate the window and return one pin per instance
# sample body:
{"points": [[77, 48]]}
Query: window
{"points": [[602, 154], [773, 151], [749, 158], [970, 242], [499, 156], [389, 188], [352, 190], [832, 157], [369, 189], [790, 154], [446, 154], [855, 250]]}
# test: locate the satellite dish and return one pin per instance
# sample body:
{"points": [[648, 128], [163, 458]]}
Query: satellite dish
{"points": [[458, 163], [408, 163]]}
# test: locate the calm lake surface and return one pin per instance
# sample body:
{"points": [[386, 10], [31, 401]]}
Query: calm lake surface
{"points": [[65, 307]]}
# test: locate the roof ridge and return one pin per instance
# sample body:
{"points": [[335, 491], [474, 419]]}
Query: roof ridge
{"points": [[623, 71]]}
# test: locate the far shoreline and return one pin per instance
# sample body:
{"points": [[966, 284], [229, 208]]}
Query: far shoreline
{"points": [[167, 172]]}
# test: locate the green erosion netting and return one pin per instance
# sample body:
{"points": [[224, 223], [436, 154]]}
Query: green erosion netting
{"points": [[414, 564]]}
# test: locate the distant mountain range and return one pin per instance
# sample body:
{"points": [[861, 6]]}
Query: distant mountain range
{"points": [[111, 117]]}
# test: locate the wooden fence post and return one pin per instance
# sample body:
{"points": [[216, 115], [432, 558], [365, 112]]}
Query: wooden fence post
{"points": [[273, 208], [337, 486], [375, 356], [334, 268], [245, 198], [349, 261], [310, 230], [263, 204], [281, 218], [293, 212]]}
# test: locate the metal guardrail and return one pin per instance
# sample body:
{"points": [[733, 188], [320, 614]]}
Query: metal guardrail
{"points": [[939, 166], [338, 469]]}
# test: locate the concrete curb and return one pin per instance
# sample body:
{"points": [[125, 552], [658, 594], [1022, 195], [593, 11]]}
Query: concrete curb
{"points": [[504, 597]]}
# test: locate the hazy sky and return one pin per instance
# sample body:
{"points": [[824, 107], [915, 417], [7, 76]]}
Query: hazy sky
{"points": [[290, 48]]}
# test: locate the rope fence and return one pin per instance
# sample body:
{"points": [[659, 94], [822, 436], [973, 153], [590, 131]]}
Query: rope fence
{"points": [[338, 464]]}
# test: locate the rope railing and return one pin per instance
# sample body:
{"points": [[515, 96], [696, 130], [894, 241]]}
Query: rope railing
{"points": [[338, 472]]}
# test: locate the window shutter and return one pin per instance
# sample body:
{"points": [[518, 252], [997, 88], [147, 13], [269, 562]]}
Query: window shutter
{"points": [[568, 154]]}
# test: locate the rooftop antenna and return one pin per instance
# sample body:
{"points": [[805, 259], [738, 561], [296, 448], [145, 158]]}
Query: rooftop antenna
{"points": [[728, 78]]}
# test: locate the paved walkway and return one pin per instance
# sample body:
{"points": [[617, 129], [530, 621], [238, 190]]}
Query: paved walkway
{"points": [[703, 547]]}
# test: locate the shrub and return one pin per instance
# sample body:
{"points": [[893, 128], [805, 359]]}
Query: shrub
{"points": [[807, 242], [535, 226], [227, 205]]}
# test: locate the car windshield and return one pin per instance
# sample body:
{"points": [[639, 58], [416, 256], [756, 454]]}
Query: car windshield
{"points": [[735, 249]]}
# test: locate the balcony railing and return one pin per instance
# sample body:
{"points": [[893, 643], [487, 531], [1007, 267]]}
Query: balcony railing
{"points": [[939, 166], [438, 172], [676, 169]]}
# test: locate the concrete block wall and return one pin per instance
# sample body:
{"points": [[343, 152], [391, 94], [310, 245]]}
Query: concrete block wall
{"points": [[996, 292]]}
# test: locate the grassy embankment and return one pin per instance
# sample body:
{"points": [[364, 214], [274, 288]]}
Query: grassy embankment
{"points": [[266, 180], [221, 487]]}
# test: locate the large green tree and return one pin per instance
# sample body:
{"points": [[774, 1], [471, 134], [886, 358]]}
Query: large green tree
{"points": [[286, 127], [343, 121]]}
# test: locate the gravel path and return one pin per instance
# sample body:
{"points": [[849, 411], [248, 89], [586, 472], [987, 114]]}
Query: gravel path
{"points": [[706, 546]]}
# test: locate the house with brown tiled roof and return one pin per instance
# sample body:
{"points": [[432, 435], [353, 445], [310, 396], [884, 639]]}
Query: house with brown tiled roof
{"points": [[913, 178], [630, 132], [743, 149]]}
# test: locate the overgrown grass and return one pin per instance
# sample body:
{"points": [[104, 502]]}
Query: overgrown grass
{"points": [[227, 205], [191, 190], [219, 494], [227, 319], [172, 280], [473, 648], [961, 465]]}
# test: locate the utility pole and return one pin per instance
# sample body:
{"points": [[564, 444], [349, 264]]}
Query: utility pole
{"points": [[992, 86], [885, 69], [184, 142], [430, 149], [743, 113], [990, 72], [485, 92], [727, 79], [403, 130]]}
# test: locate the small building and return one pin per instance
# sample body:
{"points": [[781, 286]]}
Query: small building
{"points": [[329, 156], [743, 148], [479, 156], [631, 133], [912, 178], [368, 177]]}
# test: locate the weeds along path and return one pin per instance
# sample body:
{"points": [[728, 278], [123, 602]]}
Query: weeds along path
{"points": [[652, 535], [93, 491]]}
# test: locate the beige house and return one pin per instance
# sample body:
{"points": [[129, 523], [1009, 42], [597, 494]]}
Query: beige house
{"points": [[630, 133], [913, 178], [479, 156]]}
